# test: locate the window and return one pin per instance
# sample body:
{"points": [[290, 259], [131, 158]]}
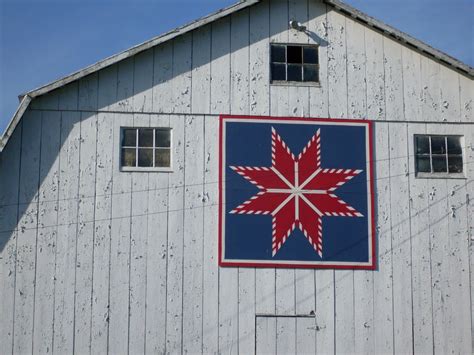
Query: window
{"points": [[294, 63], [437, 156], [145, 149]]}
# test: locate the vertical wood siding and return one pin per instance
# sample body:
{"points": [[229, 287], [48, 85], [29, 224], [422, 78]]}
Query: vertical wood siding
{"points": [[97, 260]]}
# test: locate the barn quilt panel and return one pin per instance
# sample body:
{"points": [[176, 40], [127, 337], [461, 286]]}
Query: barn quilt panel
{"points": [[296, 193]]}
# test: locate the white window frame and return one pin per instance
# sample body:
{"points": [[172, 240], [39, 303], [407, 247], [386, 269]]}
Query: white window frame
{"points": [[142, 168], [440, 175]]}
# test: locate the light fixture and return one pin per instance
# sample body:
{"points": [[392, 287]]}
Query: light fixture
{"points": [[297, 26]]}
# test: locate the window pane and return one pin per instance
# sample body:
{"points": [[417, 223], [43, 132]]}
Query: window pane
{"points": [[310, 73], [294, 54], [278, 54], [145, 137], [278, 72], [129, 137], [438, 145], [145, 157], [163, 137], [423, 165], [439, 164], [310, 55], [422, 145], [455, 164], [129, 157], [162, 158], [294, 72], [454, 145]]}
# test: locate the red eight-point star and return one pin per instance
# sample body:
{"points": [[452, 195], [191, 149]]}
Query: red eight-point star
{"points": [[296, 192]]}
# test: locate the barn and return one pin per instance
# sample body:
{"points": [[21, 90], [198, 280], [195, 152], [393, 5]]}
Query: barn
{"points": [[141, 201]]}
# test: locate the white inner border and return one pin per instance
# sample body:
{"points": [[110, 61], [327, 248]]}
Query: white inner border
{"points": [[308, 122]]}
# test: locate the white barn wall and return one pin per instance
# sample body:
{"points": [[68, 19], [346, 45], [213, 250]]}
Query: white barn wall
{"points": [[97, 260]]}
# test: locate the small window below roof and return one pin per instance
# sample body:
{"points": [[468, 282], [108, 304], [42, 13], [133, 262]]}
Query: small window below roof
{"points": [[439, 156], [145, 149], [294, 63]]}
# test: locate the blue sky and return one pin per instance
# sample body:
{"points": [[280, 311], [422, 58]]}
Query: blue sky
{"points": [[43, 40]]}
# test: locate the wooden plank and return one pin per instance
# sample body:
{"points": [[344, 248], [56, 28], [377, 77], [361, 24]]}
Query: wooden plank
{"points": [[88, 94], [466, 92], [10, 176], [266, 335], [85, 232], [305, 293], [28, 227], [401, 241], [421, 247], [246, 321], [201, 78], [239, 63], [259, 29], [174, 290], [279, 34], [47, 233], [68, 97], [180, 83], [220, 66], [337, 64], [124, 99], [450, 95], [162, 73], [375, 75], [107, 90], [106, 144], [469, 167], [120, 247], [138, 253], [285, 336], [383, 296], [143, 82], [458, 326], [193, 234], [400, 194], [305, 336], [210, 311], [356, 68], [419, 218], [317, 27], [66, 243], [156, 260], [228, 311], [298, 96]]}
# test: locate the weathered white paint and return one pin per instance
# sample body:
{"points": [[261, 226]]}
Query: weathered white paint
{"points": [[98, 260]]}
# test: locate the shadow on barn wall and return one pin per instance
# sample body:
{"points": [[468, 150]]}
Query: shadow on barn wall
{"points": [[156, 81]]}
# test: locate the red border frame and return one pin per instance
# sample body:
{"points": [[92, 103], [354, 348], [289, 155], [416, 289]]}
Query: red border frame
{"points": [[369, 123]]}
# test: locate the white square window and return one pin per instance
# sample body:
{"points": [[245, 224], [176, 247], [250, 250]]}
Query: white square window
{"points": [[145, 149], [438, 156]]}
